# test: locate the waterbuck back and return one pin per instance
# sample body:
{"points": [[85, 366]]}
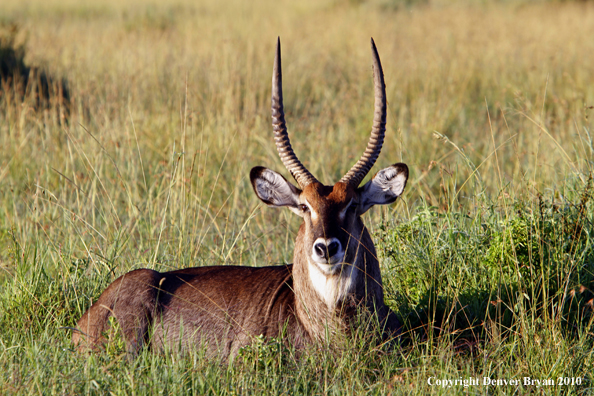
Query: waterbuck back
{"points": [[335, 272]]}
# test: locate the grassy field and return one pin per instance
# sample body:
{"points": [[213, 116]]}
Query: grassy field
{"points": [[488, 258]]}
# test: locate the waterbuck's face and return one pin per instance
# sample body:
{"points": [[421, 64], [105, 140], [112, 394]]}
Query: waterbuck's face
{"points": [[332, 226], [331, 214]]}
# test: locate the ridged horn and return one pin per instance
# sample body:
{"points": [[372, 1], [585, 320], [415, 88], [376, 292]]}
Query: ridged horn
{"points": [[281, 136], [378, 130]]}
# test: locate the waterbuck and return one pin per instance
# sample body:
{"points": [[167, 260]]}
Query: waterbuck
{"points": [[334, 276]]}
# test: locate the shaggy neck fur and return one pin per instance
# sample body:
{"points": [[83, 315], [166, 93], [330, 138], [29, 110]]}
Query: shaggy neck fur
{"points": [[323, 302]]}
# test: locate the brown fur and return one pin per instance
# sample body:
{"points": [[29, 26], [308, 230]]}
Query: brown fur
{"points": [[246, 301]]}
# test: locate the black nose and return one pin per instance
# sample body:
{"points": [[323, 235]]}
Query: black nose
{"points": [[326, 251], [333, 248]]}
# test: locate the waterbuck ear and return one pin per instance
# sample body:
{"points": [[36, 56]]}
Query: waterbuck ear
{"points": [[273, 189], [384, 188]]}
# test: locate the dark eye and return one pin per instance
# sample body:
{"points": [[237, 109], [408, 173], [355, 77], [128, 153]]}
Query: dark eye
{"points": [[304, 208]]}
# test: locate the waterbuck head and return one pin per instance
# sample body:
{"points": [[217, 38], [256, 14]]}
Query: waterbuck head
{"points": [[332, 246]]}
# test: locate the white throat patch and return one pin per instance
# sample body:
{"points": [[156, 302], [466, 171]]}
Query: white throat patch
{"points": [[332, 288]]}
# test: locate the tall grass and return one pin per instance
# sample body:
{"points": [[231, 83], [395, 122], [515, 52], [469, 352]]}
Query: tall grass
{"points": [[487, 259]]}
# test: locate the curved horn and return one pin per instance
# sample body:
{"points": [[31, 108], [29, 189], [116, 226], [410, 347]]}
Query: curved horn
{"points": [[378, 130], [281, 136]]}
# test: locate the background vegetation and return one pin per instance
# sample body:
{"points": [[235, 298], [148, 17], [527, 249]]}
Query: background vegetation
{"points": [[128, 128]]}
